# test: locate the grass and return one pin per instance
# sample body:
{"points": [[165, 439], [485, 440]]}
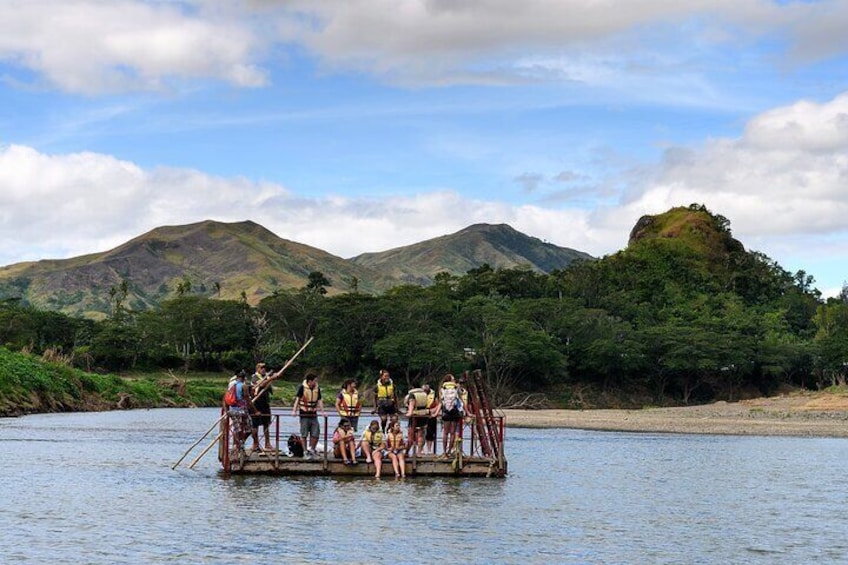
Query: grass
{"points": [[30, 384]]}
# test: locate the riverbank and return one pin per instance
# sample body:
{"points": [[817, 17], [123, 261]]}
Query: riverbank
{"points": [[815, 414]]}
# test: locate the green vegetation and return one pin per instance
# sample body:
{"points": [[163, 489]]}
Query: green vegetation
{"points": [[683, 314], [34, 384]]}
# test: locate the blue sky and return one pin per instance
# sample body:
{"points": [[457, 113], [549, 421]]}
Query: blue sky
{"points": [[357, 125]]}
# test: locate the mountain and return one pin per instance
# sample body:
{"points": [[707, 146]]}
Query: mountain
{"points": [[219, 259], [224, 260], [694, 228], [498, 245]]}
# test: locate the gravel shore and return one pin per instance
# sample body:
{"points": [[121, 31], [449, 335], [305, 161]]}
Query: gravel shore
{"points": [[807, 414]]}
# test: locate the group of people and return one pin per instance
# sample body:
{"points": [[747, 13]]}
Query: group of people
{"points": [[383, 438]]}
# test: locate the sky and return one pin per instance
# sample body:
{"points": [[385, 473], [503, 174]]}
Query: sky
{"points": [[362, 125]]}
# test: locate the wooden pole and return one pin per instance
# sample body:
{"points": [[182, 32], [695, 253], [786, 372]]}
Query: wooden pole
{"points": [[205, 451], [265, 383], [218, 421]]}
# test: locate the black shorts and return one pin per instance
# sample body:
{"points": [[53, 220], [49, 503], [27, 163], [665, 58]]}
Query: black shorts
{"points": [[261, 420], [452, 415], [418, 422], [386, 408], [432, 424]]}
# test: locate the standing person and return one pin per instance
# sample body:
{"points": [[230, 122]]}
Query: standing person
{"points": [[344, 443], [261, 392], [418, 413], [372, 445], [396, 447], [385, 398], [237, 400], [348, 404], [450, 404], [307, 404], [432, 420]]}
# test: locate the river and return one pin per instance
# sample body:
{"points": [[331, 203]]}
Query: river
{"points": [[98, 488]]}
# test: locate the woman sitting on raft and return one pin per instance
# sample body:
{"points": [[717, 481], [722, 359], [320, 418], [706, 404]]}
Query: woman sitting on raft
{"points": [[373, 445], [397, 449], [344, 442]]}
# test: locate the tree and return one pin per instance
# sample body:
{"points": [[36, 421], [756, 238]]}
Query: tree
{"points": [[317, 283]]}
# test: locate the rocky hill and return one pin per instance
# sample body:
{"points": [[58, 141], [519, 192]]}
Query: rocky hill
{"points": [[231, 260], [498, 245]]}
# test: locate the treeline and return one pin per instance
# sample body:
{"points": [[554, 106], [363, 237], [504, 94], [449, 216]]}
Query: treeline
{"points": [[665, 318]]}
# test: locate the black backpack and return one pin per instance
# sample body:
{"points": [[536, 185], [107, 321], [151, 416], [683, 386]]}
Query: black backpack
{"points": [[295, 444]]}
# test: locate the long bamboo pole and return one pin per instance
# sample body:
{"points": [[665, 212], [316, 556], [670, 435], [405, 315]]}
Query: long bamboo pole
{"points": [[265, 383], [205, 451], [218, 421]]}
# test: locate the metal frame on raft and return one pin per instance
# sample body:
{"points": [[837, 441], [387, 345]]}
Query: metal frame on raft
{"points": [[482, 428]]}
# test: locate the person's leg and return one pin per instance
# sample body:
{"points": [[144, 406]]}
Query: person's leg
{"points": [[254, 434], [315, 429], [304, 435], [420, 438], [450, 432], [402, 464], [267, 429], [378, 462], [411, 434], [393, 456], [366, 449]]}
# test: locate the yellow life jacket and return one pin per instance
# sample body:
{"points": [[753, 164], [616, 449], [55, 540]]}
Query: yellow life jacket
{"points": [[309, 400], [350, 405], [374, 439], [422, 401], [395, 440], [385, 391]]}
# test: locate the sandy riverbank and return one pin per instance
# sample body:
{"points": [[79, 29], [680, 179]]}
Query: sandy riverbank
{"points": [[807, 414]]}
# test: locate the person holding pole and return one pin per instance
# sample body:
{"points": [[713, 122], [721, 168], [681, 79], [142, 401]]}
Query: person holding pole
{"points": [[261, 393]]}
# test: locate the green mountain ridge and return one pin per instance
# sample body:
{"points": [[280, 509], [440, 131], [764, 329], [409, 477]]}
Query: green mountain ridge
{"points": [[244, 259], [499, 246]]}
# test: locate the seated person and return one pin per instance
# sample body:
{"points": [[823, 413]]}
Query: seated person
{"points": [[373, 445], [396, 447], [344, 442]]}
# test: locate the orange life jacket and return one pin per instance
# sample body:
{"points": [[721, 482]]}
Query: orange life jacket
{"points": [[350, 404], [309, 400]]}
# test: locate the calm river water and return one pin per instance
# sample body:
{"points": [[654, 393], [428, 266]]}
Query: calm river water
{"points": [[98, 488]]}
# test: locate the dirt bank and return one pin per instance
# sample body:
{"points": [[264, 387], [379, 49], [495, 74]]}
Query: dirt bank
{"points": [[799, 414]]}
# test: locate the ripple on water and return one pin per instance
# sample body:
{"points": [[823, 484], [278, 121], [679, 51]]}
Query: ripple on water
{"points": [[98, 488]]}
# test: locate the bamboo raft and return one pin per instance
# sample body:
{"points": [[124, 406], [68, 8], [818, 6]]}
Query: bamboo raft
{"points": [[479, 451], [474, 463]]}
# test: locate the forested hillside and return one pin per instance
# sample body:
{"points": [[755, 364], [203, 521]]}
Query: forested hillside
{"points": [[683, 314]]}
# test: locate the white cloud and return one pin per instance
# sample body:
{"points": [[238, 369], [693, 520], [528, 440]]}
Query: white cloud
{"points": [[90, 46], [588, 41], [782, 183], [56, 206], [786, 175]]}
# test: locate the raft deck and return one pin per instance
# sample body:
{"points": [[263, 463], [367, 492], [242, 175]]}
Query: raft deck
{"points": [[275, 463]]}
